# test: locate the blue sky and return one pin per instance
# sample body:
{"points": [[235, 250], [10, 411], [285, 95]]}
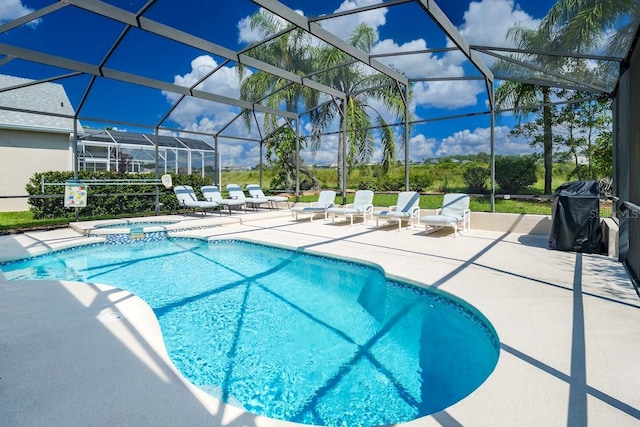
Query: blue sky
{"points": [[82, 37]]}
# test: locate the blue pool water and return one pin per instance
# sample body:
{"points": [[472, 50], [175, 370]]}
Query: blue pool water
{"points": [[294, 336]]}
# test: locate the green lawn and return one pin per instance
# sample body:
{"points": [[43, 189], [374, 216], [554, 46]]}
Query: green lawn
{"points": [[15, 221]]}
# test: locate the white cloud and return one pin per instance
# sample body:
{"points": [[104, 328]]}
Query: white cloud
{"points": [[247, 35], [487, 22], [233, 153], [201, 114], [479, 140], [447, 94], [343, 26], [416, 65], [421, 147], [12, 9]]}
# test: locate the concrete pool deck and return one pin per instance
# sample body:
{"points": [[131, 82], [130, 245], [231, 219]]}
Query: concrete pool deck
{"points": [[86, 354]]}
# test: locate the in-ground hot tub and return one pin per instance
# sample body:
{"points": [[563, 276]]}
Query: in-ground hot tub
{"points": [[127, 225]]}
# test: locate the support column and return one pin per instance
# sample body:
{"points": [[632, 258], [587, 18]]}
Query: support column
{"points": [[344, 151], [157, 169], [406, 137], [492, 116], [298, 159], [75, 159]]}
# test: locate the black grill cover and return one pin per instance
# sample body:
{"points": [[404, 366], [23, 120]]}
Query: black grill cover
{"points": [[576, 218]]}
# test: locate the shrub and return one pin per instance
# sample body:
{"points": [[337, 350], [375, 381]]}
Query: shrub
{"points": [[515, 173], [367, 183], [390, 183], [475, 177], [420, 183], [103, 199], [395, 183]]}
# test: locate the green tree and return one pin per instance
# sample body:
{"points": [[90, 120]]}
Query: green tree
{"points": [[361, 90], [568, 135], [281, 155], [290, 51], [527, 98], [603, 155], [583, 120], [581, 24]]}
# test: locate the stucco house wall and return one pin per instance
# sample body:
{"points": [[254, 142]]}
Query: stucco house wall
{"points": [[23, 154], [31, 142]]}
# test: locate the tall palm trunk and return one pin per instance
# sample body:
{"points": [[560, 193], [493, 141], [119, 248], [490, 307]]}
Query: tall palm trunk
{"points": [[547, 138]]}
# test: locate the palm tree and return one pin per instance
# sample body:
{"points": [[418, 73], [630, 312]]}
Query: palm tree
{"points": [[356, 111], [526, 98], [292, 50], [581, 24], [289, 50], [570, 25]]}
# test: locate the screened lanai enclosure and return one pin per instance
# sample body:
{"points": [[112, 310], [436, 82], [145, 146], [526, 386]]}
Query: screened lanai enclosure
{"points": [[128, 152], [257, 75]]}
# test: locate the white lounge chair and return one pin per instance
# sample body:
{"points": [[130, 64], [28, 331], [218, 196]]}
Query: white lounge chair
{"points": [[235, 192], [454, 211], [188, 200], [212, 194], [406, 208], [362, 206], [255, 191], [326, 200]]}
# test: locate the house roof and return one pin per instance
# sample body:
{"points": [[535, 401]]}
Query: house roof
{"points": [[24, 105], [114, 136]]}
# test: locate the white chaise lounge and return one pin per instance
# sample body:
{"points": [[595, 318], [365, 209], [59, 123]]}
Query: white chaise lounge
{"points": [[326, 200], [255, 191], [212, 194], [455, 211], [235, 192], [187, 199], [361, 207], [407, 208]]}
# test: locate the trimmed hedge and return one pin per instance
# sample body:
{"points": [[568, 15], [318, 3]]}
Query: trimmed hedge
{"points": [[103, 200]]}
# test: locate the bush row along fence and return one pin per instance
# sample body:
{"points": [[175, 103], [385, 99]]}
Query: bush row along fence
{"points": [[513, 175], [102, 199]]}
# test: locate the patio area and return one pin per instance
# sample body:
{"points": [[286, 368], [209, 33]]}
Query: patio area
{"points": [[88, 354]]}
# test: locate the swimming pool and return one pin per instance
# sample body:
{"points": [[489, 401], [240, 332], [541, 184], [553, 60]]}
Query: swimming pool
{"points": [[294, 336]]}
